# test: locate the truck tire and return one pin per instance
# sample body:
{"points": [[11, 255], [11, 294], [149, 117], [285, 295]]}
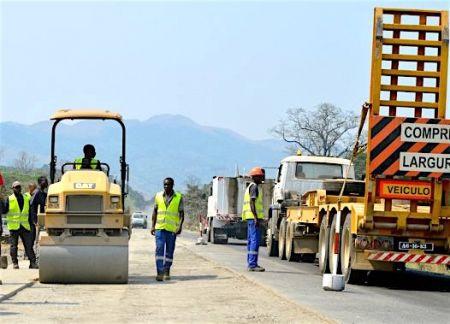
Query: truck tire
{"points": [[216, 240], [348, 253], [263, 239], [291, 256], [213, 235], [282, 239], [208, 230], [272, 244], [324, 235], [331, 247]]}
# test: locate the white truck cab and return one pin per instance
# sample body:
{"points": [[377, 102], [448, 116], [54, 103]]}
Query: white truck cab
{"points": [[299, 174]]}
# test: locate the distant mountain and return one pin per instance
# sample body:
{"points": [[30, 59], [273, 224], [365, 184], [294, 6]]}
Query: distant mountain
{"points": [[164, 145]]}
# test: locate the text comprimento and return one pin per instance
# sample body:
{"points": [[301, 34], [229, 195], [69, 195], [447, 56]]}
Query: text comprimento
{"points": [[426, 133]]}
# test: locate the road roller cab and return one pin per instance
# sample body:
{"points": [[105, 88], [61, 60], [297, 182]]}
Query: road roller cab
{"points": [[86, 230]]}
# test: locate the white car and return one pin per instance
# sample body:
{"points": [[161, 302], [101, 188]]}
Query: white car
{"points": [[138, 219]]}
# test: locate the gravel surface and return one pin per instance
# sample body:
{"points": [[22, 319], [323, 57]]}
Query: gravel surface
{"points": [[200, 291]]}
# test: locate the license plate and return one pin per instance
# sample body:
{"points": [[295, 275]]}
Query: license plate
{"points": [[404, 246]]}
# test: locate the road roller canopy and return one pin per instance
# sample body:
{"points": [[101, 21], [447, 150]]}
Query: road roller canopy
{"points": [[89, 114], [85, 114]]}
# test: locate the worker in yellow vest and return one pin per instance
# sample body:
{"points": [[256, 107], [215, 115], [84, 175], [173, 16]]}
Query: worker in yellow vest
{"points": [[253, 214], [167, 221], [88, 161], [17, 209]]}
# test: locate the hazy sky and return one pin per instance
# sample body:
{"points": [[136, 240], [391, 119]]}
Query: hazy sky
{"points": [[237, 65]]}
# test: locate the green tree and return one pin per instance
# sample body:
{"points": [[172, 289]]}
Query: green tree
{"points": [[195, 201]]}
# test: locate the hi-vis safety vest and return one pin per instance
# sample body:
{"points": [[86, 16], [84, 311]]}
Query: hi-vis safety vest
{"points": [[168, 217], [15, 217], [79, 162], [246, 209]]}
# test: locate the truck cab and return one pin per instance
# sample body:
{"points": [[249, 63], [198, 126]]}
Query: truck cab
{"points": [[300, 174]]}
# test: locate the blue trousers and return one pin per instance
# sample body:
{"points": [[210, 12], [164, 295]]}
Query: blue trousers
{"points": [[253, 238], [165, 247]]}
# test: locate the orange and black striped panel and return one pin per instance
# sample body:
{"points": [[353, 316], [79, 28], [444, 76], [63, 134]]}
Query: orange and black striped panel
{"points": [[428, 136]]}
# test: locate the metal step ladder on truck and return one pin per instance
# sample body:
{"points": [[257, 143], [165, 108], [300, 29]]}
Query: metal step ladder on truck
{"points": [[225, 203], [404, 215]]}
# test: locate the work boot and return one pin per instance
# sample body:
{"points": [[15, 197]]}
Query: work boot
{"points": [[3, 262], [159, 277], [15, 266], [167, 274], [257, 269], [33, 265]]}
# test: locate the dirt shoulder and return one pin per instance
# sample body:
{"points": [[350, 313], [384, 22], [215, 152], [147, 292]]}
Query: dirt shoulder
{"points": [[200, 291]]}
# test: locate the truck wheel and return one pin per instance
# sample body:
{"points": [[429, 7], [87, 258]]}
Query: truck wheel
{"points": [[272, 245], [213, 235], [331, 246], [291, 256], [216, 240], [208, 231], [263, 240], [282, 239], [348, 255], [323, 245]]}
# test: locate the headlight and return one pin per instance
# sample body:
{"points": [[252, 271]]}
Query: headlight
{"points": [[115, 200], [53, 202]]}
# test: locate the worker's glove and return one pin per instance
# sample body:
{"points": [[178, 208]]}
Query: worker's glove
{"points": [[179, 231], [152, 231]]}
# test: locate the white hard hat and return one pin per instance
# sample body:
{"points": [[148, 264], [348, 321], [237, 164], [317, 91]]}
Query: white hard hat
{"points": [[15, 184]]}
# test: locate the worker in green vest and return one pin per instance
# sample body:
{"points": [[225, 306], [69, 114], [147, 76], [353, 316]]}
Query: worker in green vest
{"points": [[253, 214], [17, 209], [167, 221], [88, 161]]}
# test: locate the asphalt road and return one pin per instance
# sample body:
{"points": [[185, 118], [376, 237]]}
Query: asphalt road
{"points": [[410, 297]]}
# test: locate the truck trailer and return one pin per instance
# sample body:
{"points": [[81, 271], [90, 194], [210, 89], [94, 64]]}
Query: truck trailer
{"points": [[225, 208]]}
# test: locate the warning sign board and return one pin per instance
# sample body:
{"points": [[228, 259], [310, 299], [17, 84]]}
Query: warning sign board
{"points": [[408, 190], [413, 147]]}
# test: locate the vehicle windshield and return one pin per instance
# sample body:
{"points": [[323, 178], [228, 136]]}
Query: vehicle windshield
{"points": [[305, 170], [138, 216]]}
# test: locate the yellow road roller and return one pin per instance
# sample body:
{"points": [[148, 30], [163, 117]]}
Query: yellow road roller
{"points": [[86, 230]]}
